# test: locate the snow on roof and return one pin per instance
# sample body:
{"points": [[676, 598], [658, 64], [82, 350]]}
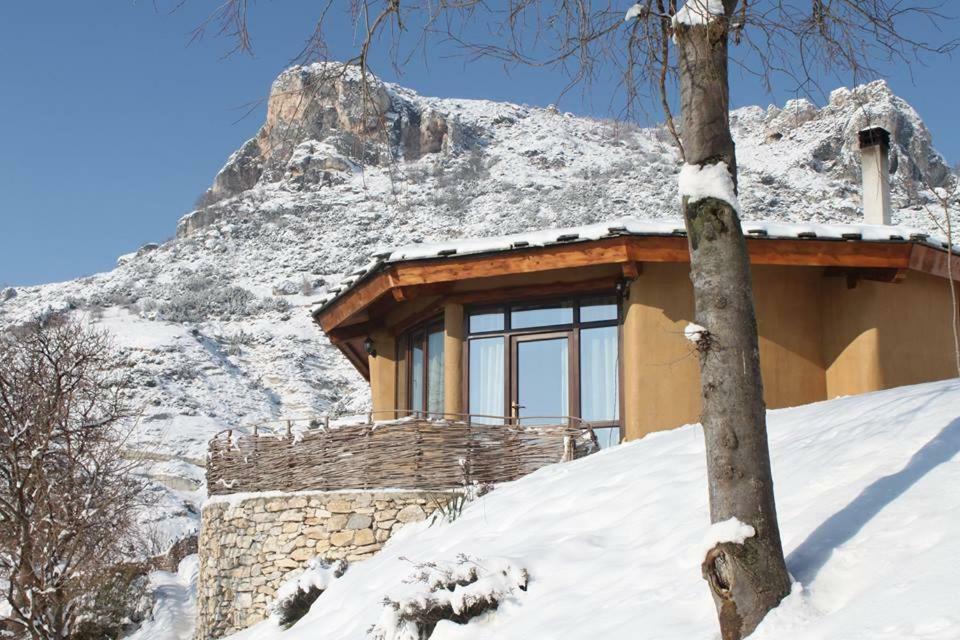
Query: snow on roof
{"points": [[624, 227]]}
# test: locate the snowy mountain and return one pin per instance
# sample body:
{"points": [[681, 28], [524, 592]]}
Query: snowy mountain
{"points": [[215, 322], [612, 544]]}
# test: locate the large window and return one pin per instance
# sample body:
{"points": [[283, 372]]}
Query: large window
{"points": [[534, 363], [425, 372]]}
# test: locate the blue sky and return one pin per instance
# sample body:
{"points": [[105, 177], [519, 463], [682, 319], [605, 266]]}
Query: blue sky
{"points": [[113, 125]]}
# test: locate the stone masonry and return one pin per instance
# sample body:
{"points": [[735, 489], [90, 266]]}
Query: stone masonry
{"points": [[250, 546]]}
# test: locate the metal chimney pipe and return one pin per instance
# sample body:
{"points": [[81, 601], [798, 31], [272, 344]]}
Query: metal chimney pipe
{"points": [[875, 157]]}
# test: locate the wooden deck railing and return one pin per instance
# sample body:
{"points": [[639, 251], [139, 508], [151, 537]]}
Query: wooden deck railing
{"points": [[415, 452]]}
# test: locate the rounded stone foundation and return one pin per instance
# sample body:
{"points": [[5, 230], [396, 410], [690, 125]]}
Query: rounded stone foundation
{"points": [[251, 544]]}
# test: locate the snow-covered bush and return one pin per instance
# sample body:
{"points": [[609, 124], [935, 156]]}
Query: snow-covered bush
{"points": [[295, 596], [203, 298], [456, 591]]}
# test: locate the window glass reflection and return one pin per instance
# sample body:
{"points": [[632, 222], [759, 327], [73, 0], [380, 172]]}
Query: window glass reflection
{"points": [[607, 437], [523, 317], [598, 310], [486, 321], [542, 381]]}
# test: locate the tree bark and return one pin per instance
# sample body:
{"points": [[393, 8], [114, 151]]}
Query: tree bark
{"points": [[746, 580]]}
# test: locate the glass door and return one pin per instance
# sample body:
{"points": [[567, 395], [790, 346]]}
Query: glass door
{"points": [[541, 378]]}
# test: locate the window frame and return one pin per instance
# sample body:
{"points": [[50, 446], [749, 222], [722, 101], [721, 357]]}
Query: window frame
{"points": [[572, 329]]}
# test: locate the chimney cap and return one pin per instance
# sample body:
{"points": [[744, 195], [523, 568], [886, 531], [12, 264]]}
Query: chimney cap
{"points": [[873, 136]]}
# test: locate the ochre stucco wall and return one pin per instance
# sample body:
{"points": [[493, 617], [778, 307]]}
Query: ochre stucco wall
{"points": [[881, 335], [383, 376], [788, 301], [661, 373]]}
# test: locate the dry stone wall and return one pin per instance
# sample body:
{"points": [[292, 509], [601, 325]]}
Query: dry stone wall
{"points": [[250, 546]]}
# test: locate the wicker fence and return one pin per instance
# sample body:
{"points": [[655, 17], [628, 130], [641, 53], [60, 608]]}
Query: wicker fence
{"points": [[412, 453]]}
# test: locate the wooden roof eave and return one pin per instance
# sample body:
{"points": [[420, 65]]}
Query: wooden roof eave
{"points": [[417, 273]]}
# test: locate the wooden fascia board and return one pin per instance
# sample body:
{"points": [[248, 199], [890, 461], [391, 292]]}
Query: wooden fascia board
{"points": [[362, 296], [829, 253], [566, 256], [412, 276], [934, 261]]}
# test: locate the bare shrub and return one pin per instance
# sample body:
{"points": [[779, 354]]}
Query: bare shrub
{"points": [[451, 509], [295, 597], [67, 496]]}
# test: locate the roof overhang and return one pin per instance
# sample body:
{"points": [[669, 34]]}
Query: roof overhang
{"points": [[349, 316]]}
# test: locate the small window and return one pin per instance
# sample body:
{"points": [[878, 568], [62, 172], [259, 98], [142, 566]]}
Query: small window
{"points": [[598, 310], [523, 317], [425, 386], [488, 320]]}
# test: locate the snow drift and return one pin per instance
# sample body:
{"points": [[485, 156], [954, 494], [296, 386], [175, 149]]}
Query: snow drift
{"points": [[870, 515]]}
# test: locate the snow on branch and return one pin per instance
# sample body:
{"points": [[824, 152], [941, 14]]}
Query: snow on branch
{"points": [[698, 12], [693, 332], [456, 591], [636, 11], [708, 181]]}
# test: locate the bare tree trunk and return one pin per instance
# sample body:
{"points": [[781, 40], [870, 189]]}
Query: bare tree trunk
{"points": [[748, 579]]}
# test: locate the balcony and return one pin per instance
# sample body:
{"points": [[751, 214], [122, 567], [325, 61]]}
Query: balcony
{"points": [[419, 451]]}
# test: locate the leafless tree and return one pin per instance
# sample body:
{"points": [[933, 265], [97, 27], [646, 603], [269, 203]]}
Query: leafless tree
{"points": [[667, 42], [66, 494]]}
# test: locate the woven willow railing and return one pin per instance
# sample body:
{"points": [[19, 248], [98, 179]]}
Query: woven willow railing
{"points": [[412, 453]]}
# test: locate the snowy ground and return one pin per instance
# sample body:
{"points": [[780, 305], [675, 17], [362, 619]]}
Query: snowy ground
{"points": [[870, 516], [174, 608]]}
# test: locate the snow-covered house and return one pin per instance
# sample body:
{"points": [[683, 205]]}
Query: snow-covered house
{"points": [[590, 322]]}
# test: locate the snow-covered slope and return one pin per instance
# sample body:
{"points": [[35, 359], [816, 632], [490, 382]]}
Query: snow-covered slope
{"points": [[215, 322], [174, 604], [612, 543]]}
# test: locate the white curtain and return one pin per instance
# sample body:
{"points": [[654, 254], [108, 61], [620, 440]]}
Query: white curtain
{"points": [[416, 378], [486, 378], [435, 373], [599, 380]]}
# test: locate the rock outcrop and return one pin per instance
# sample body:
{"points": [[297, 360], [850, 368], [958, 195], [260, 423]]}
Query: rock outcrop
{"points": [[323, 121]]}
